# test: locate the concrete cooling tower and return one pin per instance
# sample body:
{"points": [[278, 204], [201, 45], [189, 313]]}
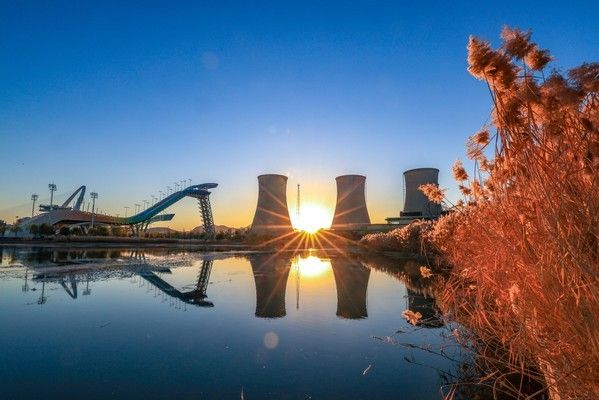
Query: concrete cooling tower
{"points": [[351, 202], [272, 215], [416, 204]]}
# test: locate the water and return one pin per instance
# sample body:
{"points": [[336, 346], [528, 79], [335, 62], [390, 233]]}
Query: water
{"points": [[175, 324]]}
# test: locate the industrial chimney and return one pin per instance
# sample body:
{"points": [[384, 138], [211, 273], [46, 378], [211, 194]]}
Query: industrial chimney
{"points": [[416, 204], [351, 202], [272, 215]]}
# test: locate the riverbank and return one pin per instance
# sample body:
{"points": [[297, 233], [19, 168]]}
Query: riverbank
{"points": [[125, 242]]}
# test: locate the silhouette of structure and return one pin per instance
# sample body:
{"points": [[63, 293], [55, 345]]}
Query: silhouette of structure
{"points": [[272, 215], [350, 211], [73, 216], [270, 277], [351, 280], [416, 204]]}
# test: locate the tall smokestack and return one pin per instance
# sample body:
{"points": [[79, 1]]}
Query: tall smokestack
{"points": [[416, 204], [272, 215], [351, 202]]}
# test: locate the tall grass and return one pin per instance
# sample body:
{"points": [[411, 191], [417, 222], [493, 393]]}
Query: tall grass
{"points": [[523, 242], [524, 246]]}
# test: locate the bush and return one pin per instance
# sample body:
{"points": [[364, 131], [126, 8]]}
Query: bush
{"points": [[34, 229], [408, 239], [46, 229]]}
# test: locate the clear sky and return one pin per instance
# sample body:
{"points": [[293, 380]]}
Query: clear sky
{"points": [[128, 97]]}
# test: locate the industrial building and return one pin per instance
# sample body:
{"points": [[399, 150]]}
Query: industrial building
{"points": [[272, 215], [416, 204], [350, 209]]}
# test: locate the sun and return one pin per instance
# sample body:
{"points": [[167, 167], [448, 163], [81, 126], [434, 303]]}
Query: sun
{"points": [[312, 217]]}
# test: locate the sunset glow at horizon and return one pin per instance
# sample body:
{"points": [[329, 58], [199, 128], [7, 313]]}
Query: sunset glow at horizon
{"points": [[312, 218]]}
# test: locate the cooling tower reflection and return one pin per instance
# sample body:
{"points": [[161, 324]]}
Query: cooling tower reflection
{"points": [[351, 280]]}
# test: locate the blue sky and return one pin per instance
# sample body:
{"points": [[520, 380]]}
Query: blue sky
{"points": [[128, 97]]}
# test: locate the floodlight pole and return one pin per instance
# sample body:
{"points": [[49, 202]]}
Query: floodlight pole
{"points": [[94, 196], [34, 197], [52, 188]]}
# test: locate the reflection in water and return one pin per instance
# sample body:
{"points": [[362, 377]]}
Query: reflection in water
{"points": [[70, 267], [351, 279], [270, 276], [420, 294], [269, 350]]}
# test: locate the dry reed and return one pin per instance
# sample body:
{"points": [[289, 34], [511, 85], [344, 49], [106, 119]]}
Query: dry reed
{"points": [[524, 248], [523, 244]]}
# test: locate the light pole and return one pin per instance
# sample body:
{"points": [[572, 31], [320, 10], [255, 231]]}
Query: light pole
{"points": [[189, 181], [169, 190], [146, 204], [34, 198], [137, 208], [183, 183], [153, 199], [126, 209], [176, 186], [52, 188], [161, 194], [94, 196]]}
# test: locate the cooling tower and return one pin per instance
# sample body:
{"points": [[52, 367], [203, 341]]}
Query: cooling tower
{"points": [[351, 202], [270, 276], [351, 280], [272, 215], [416, 204]]}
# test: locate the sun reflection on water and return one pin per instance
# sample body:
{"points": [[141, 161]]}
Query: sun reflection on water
{"points": [[311, 266]]}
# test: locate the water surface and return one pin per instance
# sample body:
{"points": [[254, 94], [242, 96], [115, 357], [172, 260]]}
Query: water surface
{"points": [[170, 324]]}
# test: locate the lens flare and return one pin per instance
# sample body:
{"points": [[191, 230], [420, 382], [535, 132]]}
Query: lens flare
{"points": [[312, 218], [311, 266]]}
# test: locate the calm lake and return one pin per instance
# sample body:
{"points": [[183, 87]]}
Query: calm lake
{"points": [[178, 324]]}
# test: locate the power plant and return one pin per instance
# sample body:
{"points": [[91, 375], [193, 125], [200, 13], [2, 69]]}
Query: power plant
{"points": [[350, 210], [416, 204], [272, 214]]}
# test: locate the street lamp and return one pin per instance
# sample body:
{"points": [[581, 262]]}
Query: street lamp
{"points": [[189, 181], [161, 194], [183, 183], [34, 197], [146, 204], [153, 199], [137, 208], [126, 209], [52, 188], [169, 190], [94, 196], [176, 186]]}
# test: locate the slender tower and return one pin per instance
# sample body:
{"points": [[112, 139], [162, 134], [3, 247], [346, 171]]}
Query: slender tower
{"points": [[351, 202], [272, 214]]}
